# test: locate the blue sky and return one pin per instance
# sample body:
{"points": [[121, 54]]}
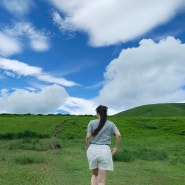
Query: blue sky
{"points": [[60, 56]]}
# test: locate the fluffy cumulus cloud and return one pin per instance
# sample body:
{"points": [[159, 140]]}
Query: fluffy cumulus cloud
{"points": [[79, 106], [150, 73], [15, 67], [47, 100], [109, 22]]}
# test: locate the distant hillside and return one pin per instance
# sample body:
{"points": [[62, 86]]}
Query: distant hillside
{"points": [[156, 110]]}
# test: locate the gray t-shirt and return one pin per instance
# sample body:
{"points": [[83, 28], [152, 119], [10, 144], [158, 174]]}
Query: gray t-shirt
{"points": [[104, 136]]}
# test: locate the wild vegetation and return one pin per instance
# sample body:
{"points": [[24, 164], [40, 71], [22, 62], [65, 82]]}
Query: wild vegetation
{"points": [[49, 150]]}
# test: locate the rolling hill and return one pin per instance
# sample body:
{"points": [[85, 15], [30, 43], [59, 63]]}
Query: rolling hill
{"points": [[156, 110]]}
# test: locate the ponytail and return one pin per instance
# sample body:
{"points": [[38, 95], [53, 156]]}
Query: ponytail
{"points": [[102, 111]]}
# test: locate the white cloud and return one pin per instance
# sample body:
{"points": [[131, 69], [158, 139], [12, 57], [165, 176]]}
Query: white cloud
{"points": [[23, 69], [50, 99], [9, 45], [63, 25], [109, 22], [52, 79], [37, 39], [15, 38], [79, 106], [21, 33], [151, 73], [18, 7], [22, 101], [19, 67]]}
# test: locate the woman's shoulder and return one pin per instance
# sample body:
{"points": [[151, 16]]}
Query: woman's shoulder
{"points": [[110, 122], [94, 121]]}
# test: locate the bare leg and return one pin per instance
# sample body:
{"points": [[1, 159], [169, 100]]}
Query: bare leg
{"points": [[101, 177], [94, 178]]}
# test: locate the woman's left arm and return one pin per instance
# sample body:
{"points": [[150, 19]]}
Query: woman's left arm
{"points": [[118, 139]]}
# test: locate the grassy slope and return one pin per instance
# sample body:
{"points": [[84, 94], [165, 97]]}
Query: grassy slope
{"points": [[156, 110], [34, 161]]}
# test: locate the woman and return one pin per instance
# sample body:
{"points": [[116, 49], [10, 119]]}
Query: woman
{"points": [[98, 139]]}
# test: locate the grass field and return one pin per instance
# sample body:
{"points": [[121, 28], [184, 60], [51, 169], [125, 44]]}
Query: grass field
{"points": [[49, 150]]}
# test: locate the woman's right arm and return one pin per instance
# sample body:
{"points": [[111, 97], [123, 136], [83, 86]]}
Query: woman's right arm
{"points": [[88, 137]]}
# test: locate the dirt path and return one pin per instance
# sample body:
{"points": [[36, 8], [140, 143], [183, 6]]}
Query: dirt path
{"points": [[59, 129]]}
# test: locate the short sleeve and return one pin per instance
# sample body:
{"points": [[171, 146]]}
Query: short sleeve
{"points": [[114, 128], [89, 127]]}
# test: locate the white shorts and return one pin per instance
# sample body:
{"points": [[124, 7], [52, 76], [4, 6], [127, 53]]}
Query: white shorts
{"points": [[99, 156]]}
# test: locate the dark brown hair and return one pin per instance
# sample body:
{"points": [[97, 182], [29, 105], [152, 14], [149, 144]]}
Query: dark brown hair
{"points": [[102, 111]]}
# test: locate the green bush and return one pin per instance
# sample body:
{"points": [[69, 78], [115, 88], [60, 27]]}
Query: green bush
{"points": [[124, 156], [151, 154], [25, 134], [144, 154], [8, 136]]}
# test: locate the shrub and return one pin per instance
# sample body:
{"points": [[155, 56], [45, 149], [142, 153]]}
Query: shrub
{"points": [[8, 136], [151, 154], [182, 133], [144, 154], [25, 134], [124, 156]]}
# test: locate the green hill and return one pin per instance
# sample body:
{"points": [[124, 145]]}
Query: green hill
{"points": [[49, 149], [156, 110]]}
